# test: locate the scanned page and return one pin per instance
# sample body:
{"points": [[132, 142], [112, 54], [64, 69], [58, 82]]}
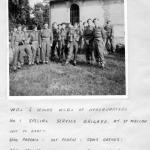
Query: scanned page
{"points": [[74, 75]]}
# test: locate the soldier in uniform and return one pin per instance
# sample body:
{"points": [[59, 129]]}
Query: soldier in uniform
{"points": [[46, 41], [81, 29], [98, 35], [63, 42], [34, 39], [73, 39], [88, 38], [55, 41], [59, 42], [109, 36], [26, 48], [17, 41], [12, 37]]}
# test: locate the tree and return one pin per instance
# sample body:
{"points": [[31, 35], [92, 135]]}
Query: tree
{"points": [[41, 14], [19, 12], [38, 15]]}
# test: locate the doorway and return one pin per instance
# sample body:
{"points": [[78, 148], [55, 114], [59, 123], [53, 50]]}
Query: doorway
{"points": [[74, 14]]}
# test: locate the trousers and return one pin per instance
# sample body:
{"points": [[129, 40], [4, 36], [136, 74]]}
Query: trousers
{"points": [[35, 52], [99, 51], [72, 51], [45, 50]]}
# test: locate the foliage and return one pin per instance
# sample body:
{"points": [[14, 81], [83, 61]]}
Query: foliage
{"points": [[19, 12], [41, 14]]}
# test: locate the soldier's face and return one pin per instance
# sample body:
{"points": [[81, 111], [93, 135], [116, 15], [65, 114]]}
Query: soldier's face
{"points": [[95, 22], [15, 29], [55, 25], [70, 25], [75, 26], [46, 26], [59, 27], [90, 22], [64, 26], [19, 28], [24, 29], [85, 24], [35, 29]]}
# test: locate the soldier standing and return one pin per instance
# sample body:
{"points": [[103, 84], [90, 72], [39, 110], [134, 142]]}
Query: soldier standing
{"points": [[109, 36], [26, 49], [34, 39], [88, 36], [98, 34], [46, 43], [55, 41], [59, 42], [73, 39], [17, 41], [81, 29], [12, 37], [63, 42]]}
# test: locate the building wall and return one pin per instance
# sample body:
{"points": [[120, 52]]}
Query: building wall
{"points": [[102, 9]]}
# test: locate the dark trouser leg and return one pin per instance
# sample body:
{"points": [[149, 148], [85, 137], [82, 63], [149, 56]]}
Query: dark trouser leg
{"points": [[87, 49], [53, 50], [43, 51], [91, 52], [112, 44]]}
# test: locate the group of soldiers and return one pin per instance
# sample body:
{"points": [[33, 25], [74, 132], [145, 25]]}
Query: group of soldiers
{"points": [[61, 41]]}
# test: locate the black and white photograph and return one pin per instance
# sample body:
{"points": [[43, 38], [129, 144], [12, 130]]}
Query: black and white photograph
{"points": [[67, 48]]}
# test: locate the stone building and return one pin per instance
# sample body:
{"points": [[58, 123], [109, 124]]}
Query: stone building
{"points": [[76, 10]]}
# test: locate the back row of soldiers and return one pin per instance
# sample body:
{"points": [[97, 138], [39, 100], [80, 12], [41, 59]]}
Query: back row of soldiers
{"points": [[61, 42]]}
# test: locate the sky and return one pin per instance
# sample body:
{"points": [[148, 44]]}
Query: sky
{"points": [[32, 2]]}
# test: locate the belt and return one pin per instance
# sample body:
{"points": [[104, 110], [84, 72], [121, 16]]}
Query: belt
{"points": [[45, 38]]}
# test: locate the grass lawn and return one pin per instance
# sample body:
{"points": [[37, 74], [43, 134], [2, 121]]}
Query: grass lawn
{"points": [[55, 79]]}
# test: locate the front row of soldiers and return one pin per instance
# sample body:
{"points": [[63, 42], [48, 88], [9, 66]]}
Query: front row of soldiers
{"points": [[64, 42]]}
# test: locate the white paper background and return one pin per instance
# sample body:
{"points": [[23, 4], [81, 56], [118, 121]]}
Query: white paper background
{"points": [[137, 137]]}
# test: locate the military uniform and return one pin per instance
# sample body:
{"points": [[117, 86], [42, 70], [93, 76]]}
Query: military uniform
{"points": [[17, 41], [81, 42], [73, 39], [46, 41], [34, 39], [88, 36], [63, 43], [98, 35], [55, 43], [109, 37], [26, 49]]}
